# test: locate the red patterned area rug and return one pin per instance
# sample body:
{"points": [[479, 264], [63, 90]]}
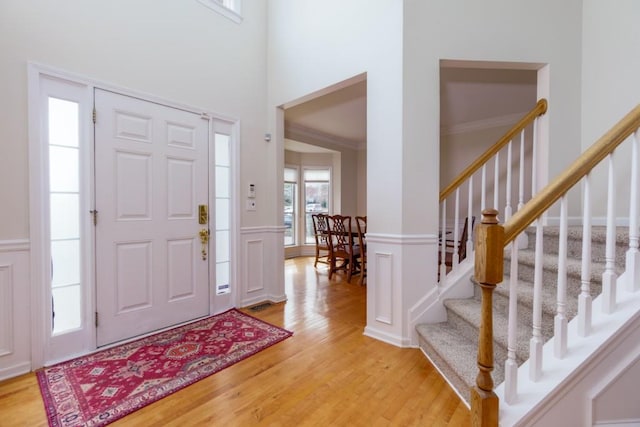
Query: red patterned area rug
{"points": [[98, 389]]}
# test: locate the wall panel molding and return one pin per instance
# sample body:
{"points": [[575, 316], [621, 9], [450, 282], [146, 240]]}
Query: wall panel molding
{"points": [[262, 265], [15, 308], [254, 256], [384, 285], [6, 310]]}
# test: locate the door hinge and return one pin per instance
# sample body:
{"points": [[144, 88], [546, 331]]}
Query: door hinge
{"points": [[96, 319], [95, 216], [94, 115]]}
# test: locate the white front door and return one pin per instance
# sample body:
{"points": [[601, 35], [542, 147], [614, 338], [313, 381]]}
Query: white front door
{"points": [[151, 174]]}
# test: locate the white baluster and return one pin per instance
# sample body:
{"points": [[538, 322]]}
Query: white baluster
{"points": [[534, 159], [560, 321], [633, 254], [609, 277], [511, 364], [443, 243], [456, 232], [535, 345], [521, 177], [508, 211], [522, 239], [584, 300], [496, 182], [470, 236], [483, 192]]}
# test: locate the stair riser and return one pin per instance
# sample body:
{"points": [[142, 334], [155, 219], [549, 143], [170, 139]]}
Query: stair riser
{"points": [[525, 316], [449, 372], [526, 273], [525, 306]]}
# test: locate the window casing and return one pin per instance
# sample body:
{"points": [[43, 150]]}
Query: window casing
{"points": [[231, 9]]}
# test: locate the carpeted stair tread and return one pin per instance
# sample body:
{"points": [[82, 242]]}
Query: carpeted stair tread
{"points": [[452, 345], [450, 352], [464, 315]]}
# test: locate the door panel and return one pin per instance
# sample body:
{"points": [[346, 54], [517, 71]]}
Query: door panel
{"points": [[151, 170]]}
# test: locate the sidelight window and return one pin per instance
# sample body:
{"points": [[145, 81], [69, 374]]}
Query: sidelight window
{"points": [[64, 214]]}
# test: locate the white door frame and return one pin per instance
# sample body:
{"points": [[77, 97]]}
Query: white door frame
{"points": [[42, 352]]}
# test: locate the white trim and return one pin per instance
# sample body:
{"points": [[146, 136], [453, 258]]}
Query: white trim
{"points": [[14, 371], [263, 229], [234, 15], [301, 133], [215, 123], [40, 303], [380, 335], [17, 245], [46, 346], [619, 423], [82, 79], [403, 239]]}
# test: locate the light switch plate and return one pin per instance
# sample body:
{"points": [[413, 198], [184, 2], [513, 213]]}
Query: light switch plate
{"points": [[251, 204]]}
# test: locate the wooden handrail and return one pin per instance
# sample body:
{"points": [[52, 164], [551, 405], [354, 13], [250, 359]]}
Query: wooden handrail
{"points": [[491, 239], [538, 110], [574, 173]]}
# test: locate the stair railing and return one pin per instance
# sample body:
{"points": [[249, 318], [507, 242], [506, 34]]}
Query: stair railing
{"points": [[492, 238], [466, 177]]}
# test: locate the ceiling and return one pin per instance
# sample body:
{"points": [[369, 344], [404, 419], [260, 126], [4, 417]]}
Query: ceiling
{"points": [[467, 96]]}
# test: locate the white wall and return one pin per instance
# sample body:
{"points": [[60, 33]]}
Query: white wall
{"points": [[458, 150], [399, 46], [179, 51], [182, 52], [313, 45], [610, 83], [544, 32]]}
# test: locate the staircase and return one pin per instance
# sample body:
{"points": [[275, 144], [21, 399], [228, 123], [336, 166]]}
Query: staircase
{"points": [[452, 346]]}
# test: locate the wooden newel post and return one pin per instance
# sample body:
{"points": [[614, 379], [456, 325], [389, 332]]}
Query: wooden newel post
{"points": [[489, 255]]}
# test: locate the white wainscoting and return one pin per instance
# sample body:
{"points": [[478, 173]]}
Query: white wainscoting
{"points": [[15, 337], [262, 265], [399, 274]]}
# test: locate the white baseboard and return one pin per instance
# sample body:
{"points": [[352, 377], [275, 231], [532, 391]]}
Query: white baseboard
{"points": [[398, 341], [14, 371]]}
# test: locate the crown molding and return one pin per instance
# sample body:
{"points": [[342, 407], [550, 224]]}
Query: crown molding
{"points": [[478, 125], [304, 134]]}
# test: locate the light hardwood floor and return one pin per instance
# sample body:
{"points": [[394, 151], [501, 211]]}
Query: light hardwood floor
{"points": [[327, 374]]}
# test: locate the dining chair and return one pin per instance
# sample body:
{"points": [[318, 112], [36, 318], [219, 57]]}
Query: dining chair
{"points": [[361, 224], [321, 234], [342, 247], [461, 244]]}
